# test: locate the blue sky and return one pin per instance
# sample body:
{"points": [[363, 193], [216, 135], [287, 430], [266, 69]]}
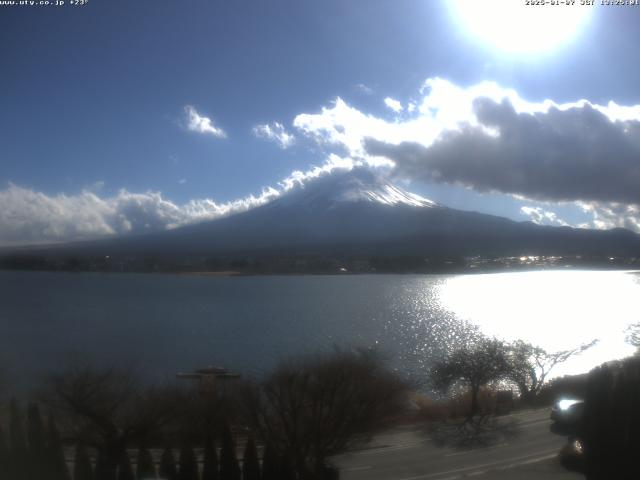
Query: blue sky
{"points": [[95, 104]]}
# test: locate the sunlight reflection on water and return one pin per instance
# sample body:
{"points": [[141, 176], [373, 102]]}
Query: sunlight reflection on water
{"points": [[553, 309], [164, 323]]}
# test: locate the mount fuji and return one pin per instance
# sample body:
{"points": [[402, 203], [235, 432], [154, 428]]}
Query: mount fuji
{"points": [[358, 214]]}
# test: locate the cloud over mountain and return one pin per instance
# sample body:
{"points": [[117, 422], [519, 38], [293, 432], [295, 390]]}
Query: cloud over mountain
{"points": [[30, 217], [489, 139], [543, 217], [577, 153]]}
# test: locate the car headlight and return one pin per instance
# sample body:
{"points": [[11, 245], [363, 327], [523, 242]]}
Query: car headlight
{"points": [[566, 404]]}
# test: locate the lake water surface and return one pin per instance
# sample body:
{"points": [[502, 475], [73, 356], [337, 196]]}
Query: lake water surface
{"points": [[163, 324]]}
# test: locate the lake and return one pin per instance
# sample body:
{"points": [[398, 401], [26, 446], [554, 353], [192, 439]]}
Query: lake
{"points": [[163, 324]]}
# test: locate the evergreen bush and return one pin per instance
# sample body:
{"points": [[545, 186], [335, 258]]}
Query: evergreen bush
{"points": [[82, 464], [125, 471], [168, 469], [145, 470], [229, 468], [210, 466], [188, 464]]}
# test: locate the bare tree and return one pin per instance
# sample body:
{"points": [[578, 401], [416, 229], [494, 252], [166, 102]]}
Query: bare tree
{"points": [[472, 367], [108, 409], [204, 412], [530, 365], [313, 407]]}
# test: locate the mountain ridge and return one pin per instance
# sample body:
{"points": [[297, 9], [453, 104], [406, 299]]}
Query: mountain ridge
{"points": [[357, 214]]}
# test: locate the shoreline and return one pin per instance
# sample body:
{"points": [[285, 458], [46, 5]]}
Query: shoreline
{"points": [[236, 273]]}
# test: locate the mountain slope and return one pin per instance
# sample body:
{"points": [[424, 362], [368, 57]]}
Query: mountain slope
{"points": [[358, 214]]}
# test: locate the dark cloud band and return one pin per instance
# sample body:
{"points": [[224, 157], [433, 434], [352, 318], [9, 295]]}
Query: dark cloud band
{"points": [[574, 154]]}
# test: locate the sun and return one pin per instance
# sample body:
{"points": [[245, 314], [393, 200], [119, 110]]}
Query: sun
{"points": [[521, 27]]}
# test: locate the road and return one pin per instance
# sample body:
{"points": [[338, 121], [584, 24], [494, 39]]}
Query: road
{"points": [[409, 454]]}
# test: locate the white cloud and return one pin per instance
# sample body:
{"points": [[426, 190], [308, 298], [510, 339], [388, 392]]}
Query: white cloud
{"points": [[542, 217], [30, 217], [364, 89], [196, 122], [333, 163], [488, 138], [393, 104], [346, 128], [613, 215], [182, 181], [274, 132]]}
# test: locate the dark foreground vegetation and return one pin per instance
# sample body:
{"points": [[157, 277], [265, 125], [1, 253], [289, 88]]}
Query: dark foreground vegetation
{"points": [[89, 423], [604, 444], [611, 421], [606, 432], [491, 365], [106, 425]]}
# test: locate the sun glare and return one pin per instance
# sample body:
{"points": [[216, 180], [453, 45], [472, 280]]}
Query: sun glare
{"points": [[517, 27], [554, 309]]}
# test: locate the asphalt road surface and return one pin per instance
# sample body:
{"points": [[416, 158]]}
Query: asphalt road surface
{"points": [[410, 453]]}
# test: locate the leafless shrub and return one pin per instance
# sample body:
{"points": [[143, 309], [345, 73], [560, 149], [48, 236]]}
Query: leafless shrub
{"points": [[108, 409], [479, 431], [472, 367], [314, 407], [530, 366]]}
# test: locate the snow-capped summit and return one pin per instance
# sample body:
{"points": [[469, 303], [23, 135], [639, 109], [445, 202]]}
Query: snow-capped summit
{"points": [[357, 185]]}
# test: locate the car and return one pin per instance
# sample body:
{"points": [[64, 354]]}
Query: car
{"points": [[572, 455], [566, 415]]}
